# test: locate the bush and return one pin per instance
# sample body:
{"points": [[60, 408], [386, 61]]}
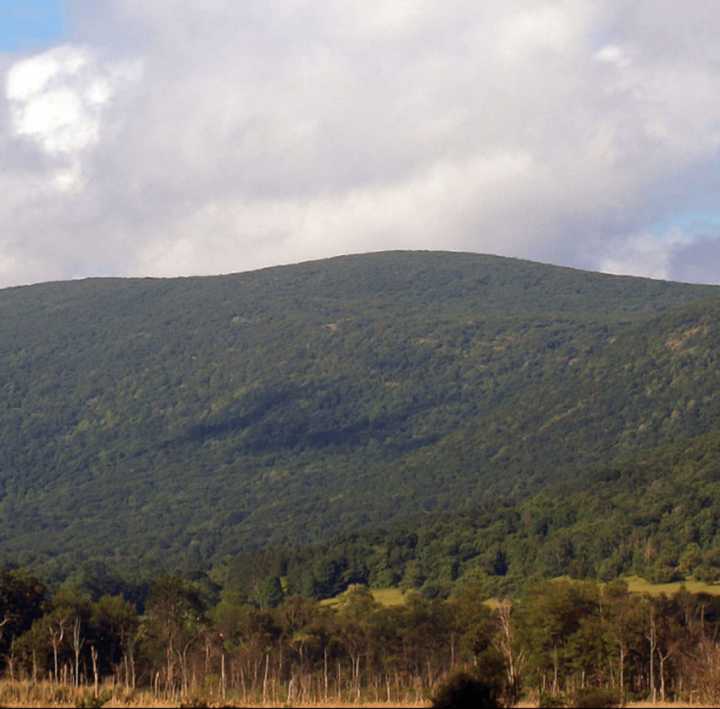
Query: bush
{"points": [[90, 701], [462, 691], [552, 701], [597, 697]]}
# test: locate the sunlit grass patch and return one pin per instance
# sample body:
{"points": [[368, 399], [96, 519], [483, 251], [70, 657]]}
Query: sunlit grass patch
{"points": [[384, 596], [388, 596], [640, 585]]}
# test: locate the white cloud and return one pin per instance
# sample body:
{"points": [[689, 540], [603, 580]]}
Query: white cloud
{"points": [[58, 121], [29, 77], [545, 27], [57, 99], [236, 135], [646, 254], [614, 55]]}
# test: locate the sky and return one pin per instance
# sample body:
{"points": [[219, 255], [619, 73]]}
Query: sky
{"points": [[178, 137]]}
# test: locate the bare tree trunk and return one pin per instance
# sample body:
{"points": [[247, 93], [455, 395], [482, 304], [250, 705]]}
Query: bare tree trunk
{"points": [[222, 676], [5, 621], [169, 679], [11, 660], [622, 673], [242, 680], [504, 643], [96, 677], [662, 674], [652, 639], [290, 691], [78, 642], [55, 639], [265, 678], [130, 652], [325, 672], [338, 687]]}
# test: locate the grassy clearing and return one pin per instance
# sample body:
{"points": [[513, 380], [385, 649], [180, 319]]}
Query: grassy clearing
{"points": [[396, 596], [384, 596], [389, 596], [640, 585], [636, 584]]}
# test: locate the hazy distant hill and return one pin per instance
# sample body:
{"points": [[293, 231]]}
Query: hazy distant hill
{"points": [[190, 418]]}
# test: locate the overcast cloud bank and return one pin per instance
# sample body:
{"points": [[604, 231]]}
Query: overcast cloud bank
{"points": [[162, 139]]}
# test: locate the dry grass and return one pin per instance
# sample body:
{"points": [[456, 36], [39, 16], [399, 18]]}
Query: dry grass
{"points": [[47, 694]]}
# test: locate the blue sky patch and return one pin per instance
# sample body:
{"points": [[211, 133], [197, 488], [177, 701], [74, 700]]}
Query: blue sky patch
{"points": [[30, 24], [696, 223]]}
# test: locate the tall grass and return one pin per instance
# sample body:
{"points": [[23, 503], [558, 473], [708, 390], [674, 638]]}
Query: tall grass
{"points": [[25, 693]]}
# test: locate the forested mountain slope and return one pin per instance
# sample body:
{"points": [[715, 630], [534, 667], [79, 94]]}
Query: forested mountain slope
{"points": [[183, 420], [655, 514]]}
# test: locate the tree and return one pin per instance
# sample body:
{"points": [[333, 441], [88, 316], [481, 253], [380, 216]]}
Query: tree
{"points": [[175, 616], [115, 625], [21, 604], [270, 593]]}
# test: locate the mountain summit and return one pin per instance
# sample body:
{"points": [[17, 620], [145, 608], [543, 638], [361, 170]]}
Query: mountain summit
{"points": [[149, 419]]}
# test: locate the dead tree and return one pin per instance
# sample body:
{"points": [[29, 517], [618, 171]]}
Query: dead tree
{"points": [[57, 633], [78, 643], [504, 642]]}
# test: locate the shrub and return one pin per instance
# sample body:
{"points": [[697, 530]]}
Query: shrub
{"points": [[596, 697], [90, 701], [462, 691]]}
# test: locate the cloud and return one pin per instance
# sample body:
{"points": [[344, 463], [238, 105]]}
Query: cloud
{"points": [[54, 102], [229, 135], [697, 261], [646, 254]]}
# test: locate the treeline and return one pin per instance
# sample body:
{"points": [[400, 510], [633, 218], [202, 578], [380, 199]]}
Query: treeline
{"points": [[183, 640]]}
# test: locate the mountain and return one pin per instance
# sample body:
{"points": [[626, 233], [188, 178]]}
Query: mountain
{"points": [[157, 422]]}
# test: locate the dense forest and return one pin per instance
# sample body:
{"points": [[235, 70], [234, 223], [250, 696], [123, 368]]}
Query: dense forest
{"points": [[656, 515], [193, 643], [409, 419]]}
